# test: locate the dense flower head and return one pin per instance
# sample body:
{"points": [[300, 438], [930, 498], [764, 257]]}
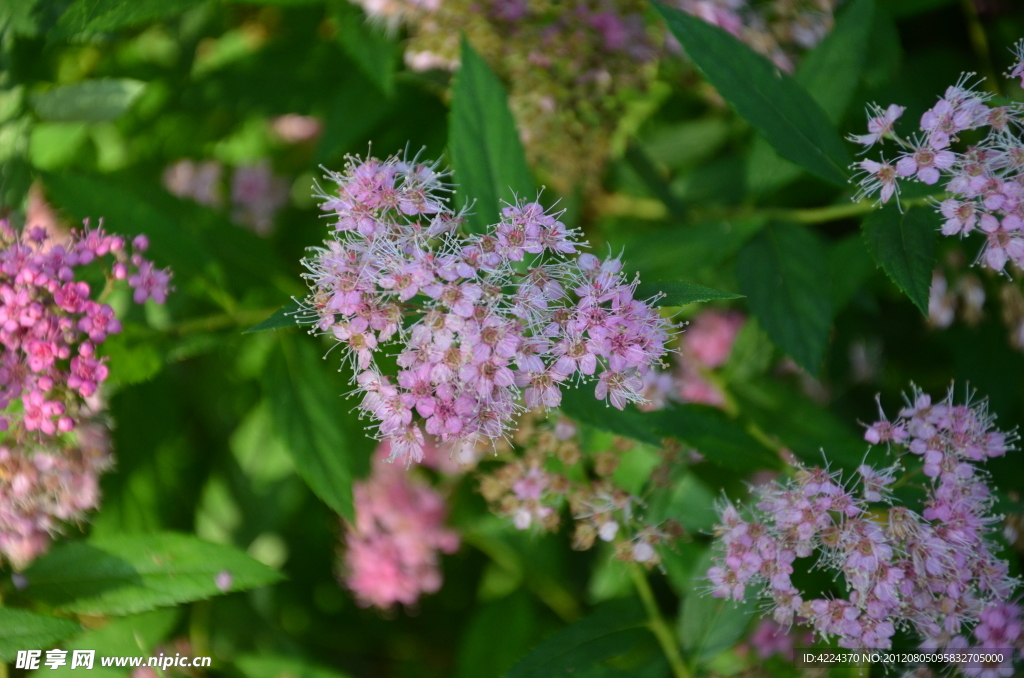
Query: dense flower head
{"points": [[51, 330], [256, 195], [984, 180], [481, 322], [392, 551], [934, 572]]}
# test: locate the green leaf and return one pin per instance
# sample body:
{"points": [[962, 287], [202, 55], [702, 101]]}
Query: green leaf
{"points": [[489, 161], [279, 666], [665, 252], [53, 145], [709, 625], [497, 635], [608, 633], [783, 272], [307, 413], [830, 74], [849, 267], [903, 245], [775, 104], [581, 405], [368, 45], [121, 574], [804, 427], [101, 16], [88, 101], [678, 293], [128, 636], [720, 439], [21, 630], [281, 318]]}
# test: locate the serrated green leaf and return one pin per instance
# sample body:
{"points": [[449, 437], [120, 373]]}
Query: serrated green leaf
{"points": [[849, 267], [608, 633], [368, 45], [487, 155], [775, 104], [307, 414], [830, 74], [783, 272], [101, 16], [282, 318], [21, 630], [581, 405], [678, 293], [709, 625], [711, 432], [279, 666], [121, 574], [134, 635], [903, 245], [87, 101]]}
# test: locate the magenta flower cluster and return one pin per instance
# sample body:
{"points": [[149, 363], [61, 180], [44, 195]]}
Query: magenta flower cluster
{"points": [[392, 550], [51, 329], [479, 320], [985, 180], [933, 573]]}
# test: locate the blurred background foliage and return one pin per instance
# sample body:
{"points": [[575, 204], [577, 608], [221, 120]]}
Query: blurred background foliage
{"points": [[98, 99]]}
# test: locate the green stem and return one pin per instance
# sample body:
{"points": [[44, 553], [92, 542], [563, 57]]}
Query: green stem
{"points": [[979, 41], [820, 215], [657, 623], [862, 670]]}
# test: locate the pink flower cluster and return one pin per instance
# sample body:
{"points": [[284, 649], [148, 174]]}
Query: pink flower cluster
{"points": [[933, 572], [479, 320], [51, 330], [770, 638], [392, 551], [986, 179]]}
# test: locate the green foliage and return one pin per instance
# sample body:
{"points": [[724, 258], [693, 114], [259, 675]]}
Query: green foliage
{"points": [[489, 161], [368, 46], [123, 574], [783, 273], [278, 666], [608, 633], [21, 630], [307, 414], [281, 318], [781, 110], [678, 293], [87, 101], [133, 635], [708, 625], [903, 245], [88, 17]]}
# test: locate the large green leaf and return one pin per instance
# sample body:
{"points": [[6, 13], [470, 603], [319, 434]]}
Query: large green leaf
{"points": [[775, 104], [679, 293], [101, 16], [88, 101], [720, 439], [497, 635], [308, 414], [903, 245], [783, 272], [608, 633], [21, 630], [830, 74], [121, 574], [490, 165], [581, 405], [849, 267], [134, 635], [281, 318], [708, 625], [368, 45]]}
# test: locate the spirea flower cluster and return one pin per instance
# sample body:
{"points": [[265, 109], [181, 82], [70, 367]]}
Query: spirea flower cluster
{"points": [[392, 552], [478, 321], [932, 572], [985, 179], [51, 329]]}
